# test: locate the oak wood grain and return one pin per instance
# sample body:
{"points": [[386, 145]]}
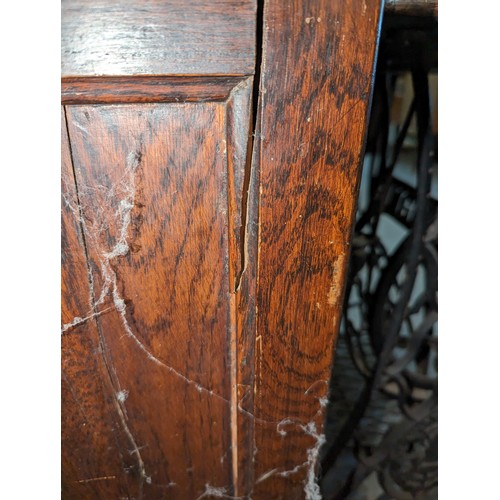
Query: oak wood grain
{"points": [[95, 457], [157, 37], [202, 290], [123, 89], [152, 187], [239, 120], [316, 75]]}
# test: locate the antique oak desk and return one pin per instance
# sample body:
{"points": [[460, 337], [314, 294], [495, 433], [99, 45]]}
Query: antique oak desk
{"points": [[210, 166]]}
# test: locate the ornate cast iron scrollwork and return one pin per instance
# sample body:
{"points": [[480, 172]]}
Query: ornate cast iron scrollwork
{"points": [[382, 417]]}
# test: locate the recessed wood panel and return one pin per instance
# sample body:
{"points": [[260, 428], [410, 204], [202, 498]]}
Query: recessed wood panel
{"points": [[152, 184]]}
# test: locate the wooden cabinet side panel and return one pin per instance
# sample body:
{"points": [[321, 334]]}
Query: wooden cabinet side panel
{"points": [[152, 186], [317, 66]]}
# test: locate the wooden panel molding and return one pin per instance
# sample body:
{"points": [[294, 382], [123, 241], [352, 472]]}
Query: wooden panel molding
{"points": [[149, 89]]}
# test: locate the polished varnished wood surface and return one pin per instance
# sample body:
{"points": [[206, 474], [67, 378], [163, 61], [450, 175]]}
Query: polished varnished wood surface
{"points": [[153, 208], [151, 228], [204, 249], [94, 444], [157, 37], [120, 90], [317, 66]]}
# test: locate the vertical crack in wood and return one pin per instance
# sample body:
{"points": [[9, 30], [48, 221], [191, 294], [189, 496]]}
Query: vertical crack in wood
{"points": [[239, 170], [239, 129], [259, 95]]}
